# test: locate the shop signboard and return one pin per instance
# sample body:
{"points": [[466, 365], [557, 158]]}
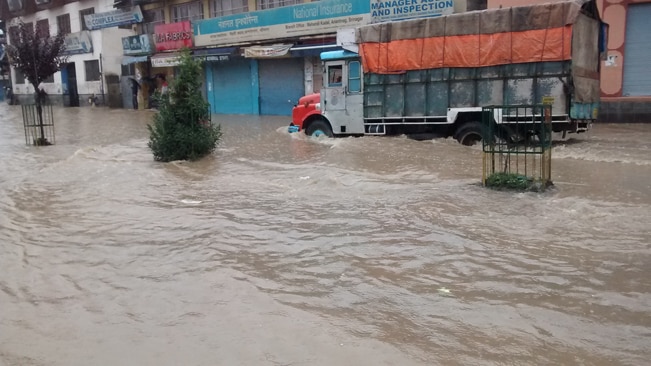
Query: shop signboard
{"points": [[136, 45], [76, 43], [113, 18], [383, 11], [165, 60], [297, 20], [174, 36], [325, 16], [272, 51]]}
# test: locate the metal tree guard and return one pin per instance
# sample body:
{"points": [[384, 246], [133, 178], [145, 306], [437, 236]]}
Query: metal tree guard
{"points": [[517, 145], [39, 131]]}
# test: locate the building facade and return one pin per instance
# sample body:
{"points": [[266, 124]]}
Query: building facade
{"points": [[625, 80], [260, 56], [5, 80], [92, 53]]}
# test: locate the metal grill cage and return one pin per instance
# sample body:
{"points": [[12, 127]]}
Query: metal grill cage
{"points": [[39, 124], [517, 145]]}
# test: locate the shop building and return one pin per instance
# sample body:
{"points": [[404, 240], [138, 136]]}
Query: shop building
{"points": [[261, 56], [267, 59], [91, 29]]}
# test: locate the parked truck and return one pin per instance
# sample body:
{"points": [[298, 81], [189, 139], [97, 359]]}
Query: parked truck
{"points": [[434, 75]]}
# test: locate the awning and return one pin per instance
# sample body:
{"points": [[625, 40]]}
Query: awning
{"points": [[312, 50], [215, 54], [214, 51], [165, 59], [270, 51], [126, 60]]}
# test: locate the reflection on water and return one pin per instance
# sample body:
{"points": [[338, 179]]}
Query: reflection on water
{"points": [[280, 249]]}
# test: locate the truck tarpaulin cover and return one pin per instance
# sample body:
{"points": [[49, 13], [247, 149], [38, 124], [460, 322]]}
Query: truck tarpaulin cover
{"points": [[491, 37]]}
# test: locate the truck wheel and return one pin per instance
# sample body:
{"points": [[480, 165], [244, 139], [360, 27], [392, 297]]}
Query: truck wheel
{"points": [[319, 128], [469, 133]]}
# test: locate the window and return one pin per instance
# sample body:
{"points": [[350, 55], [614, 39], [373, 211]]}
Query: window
{"points": [[20, 77], [220, 8], [82, 17], [92, 70], [270, 4], [63, 23], [334, 75], [30, 27], [43, 28], [15, 5], [50, 79], [152, 18], [129, 69], [187, 11], [14, 34], [354, 77]]}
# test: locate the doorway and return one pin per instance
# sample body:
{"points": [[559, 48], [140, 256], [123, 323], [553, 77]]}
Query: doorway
{"points": [[69, 81]]}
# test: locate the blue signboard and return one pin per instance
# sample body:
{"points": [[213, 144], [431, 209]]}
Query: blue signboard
{"points": [[113, 18], [325, 16], [319, 17]]}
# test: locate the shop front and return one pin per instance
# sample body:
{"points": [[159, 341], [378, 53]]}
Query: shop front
{"points": [[134, 85], [230, 80], [280, 76], [79, 49], [269, 77], [169, 39]]}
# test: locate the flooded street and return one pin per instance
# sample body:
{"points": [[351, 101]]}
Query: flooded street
{"points": [[284, 250]]}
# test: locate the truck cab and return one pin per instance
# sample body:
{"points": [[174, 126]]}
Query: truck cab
{"points": [[338, 108]]}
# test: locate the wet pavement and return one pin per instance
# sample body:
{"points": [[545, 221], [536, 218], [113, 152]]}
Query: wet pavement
{"points": [[280, 249]]}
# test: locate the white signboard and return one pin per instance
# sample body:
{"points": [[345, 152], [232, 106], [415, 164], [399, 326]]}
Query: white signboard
{"points": [[165, 61], [383, 11]]}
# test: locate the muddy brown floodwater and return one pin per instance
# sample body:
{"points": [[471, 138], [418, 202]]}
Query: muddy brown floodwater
{"points": [[284, 250]]}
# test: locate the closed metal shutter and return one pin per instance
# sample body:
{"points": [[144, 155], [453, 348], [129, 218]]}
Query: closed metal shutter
{"points": [[637, 56], [232, 92], [281, 85]]}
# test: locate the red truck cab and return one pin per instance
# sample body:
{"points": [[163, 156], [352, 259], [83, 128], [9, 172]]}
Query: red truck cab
{"points": [[307, 107]]}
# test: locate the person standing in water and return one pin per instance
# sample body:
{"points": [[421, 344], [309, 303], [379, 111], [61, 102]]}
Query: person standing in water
{"points": [[134, 92]]}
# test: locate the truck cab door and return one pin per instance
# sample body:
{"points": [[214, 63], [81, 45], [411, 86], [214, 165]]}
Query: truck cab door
{"points": [[334, 85]]}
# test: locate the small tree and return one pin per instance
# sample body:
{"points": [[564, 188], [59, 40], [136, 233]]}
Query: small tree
{"points": [[182, 128], [38, 58]]}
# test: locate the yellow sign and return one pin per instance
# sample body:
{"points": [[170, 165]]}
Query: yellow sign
{"points": [[547, 100]]}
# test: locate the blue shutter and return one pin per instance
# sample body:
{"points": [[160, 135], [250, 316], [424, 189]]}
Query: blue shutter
{"points": [[637, 51], [281, 85], [231, 89]]}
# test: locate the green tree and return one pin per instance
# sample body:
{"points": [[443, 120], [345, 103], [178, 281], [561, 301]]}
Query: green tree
{"points": [[38, 58], [182, 129]]}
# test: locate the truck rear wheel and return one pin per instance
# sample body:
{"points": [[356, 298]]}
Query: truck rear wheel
{"points": [[319, 128], [469, 133]]}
